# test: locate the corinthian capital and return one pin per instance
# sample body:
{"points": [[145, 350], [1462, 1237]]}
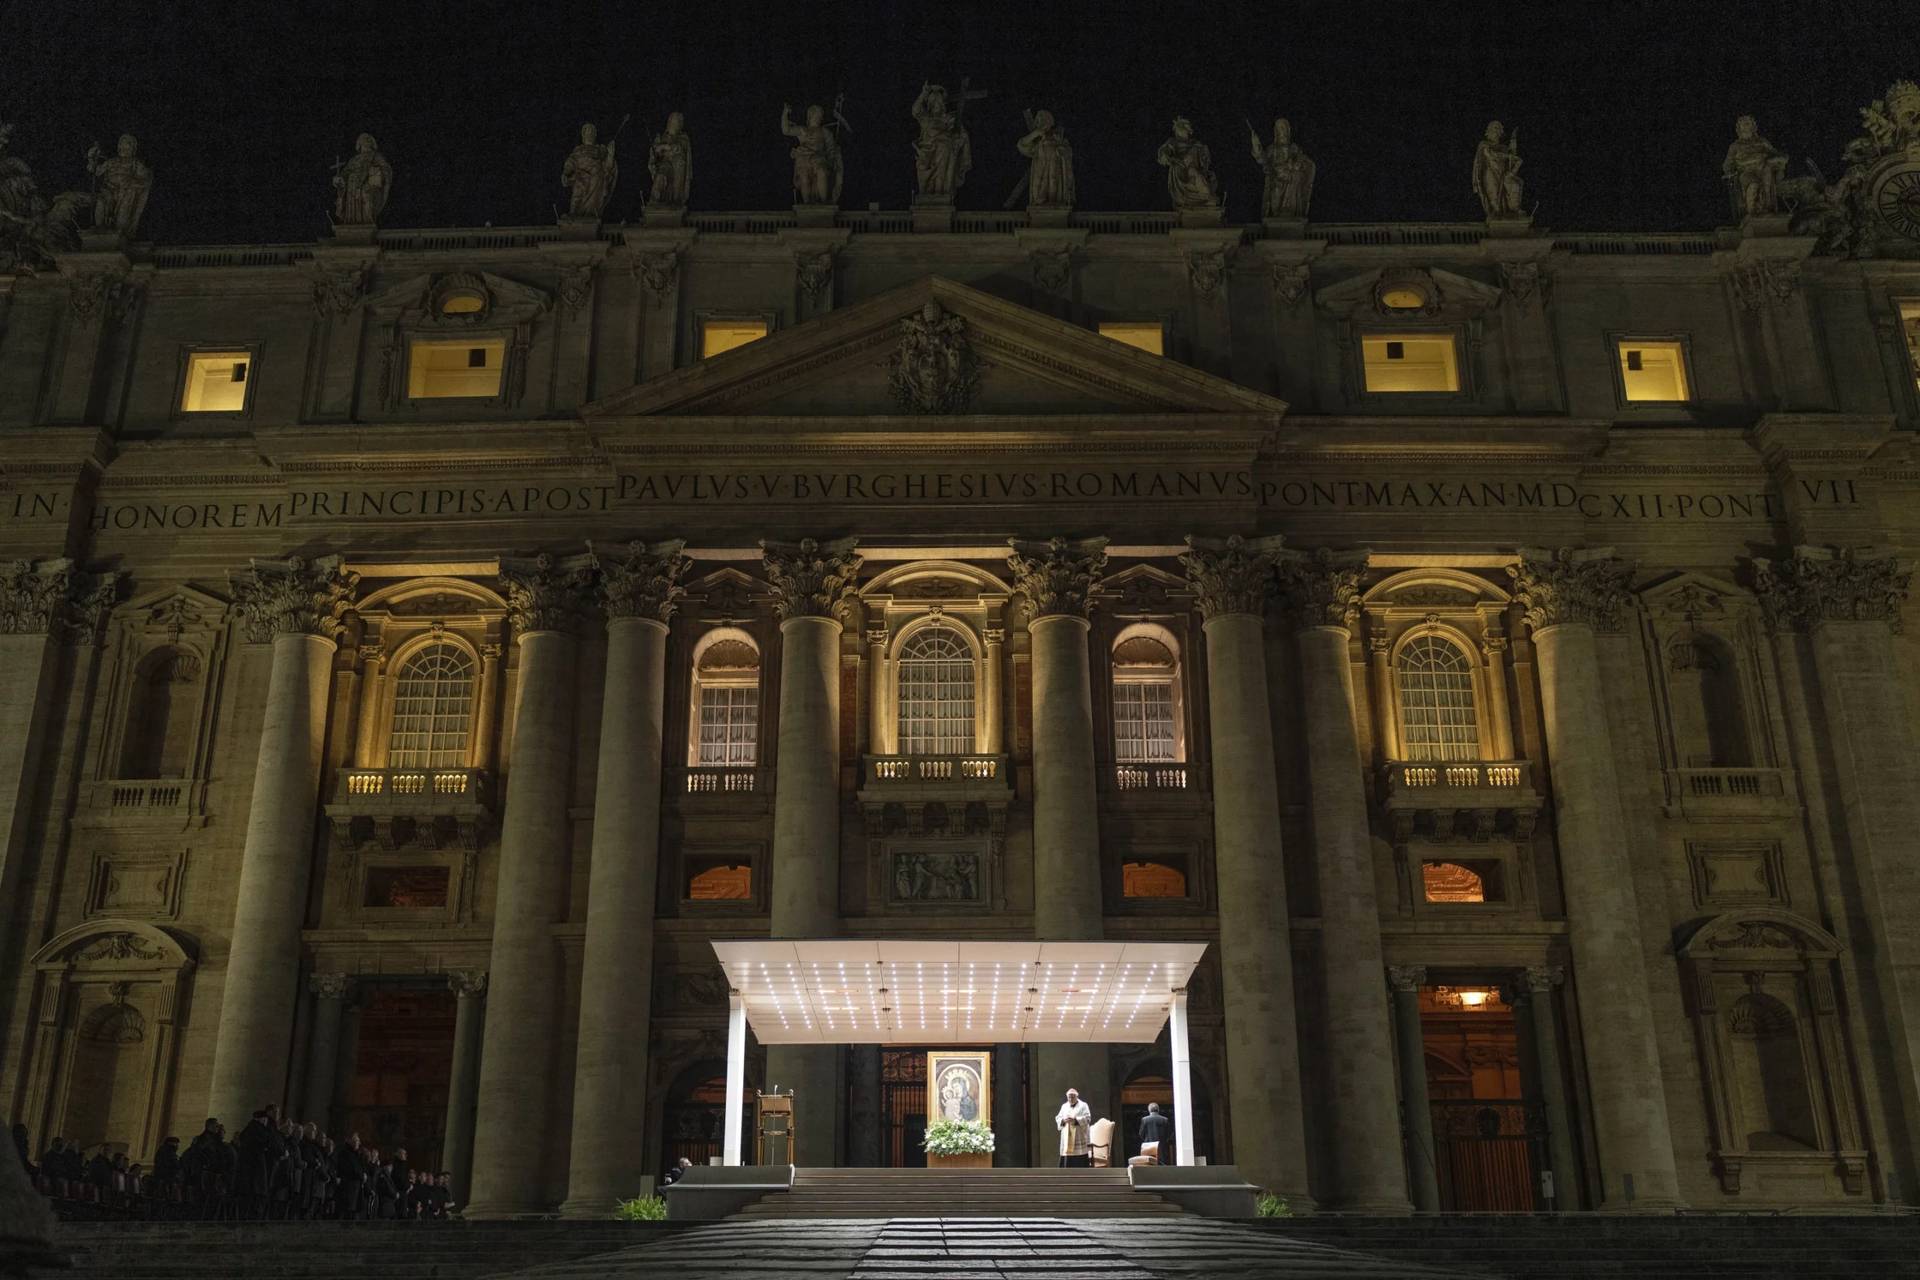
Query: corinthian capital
{"points": [[1231, 575], [1831, 584], [546, 592], [295, 596], [330, 986], [1321, 588], [32, 595], [810, 578], [1406, 977], [90, 600], [1587, 586], [467, 982], [640, 581], [1057, 575]]}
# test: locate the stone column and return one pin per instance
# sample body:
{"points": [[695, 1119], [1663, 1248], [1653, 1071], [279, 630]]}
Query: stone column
{"points": [[639, 588], [1232, 580], [877, 691], [991, 689], [1322, 592], [1540, 980], [1380, 688], [330, 991], [299, 606], [1057, 576], [1566, 596], [1416, 1110], [512, 1125], [1846, 602], [1494, 646], [463, 1088], [810, 581]]}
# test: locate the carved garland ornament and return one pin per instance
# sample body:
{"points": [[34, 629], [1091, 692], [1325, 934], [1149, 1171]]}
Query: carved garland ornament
{"points": [[1570, 585], [1816, 585], [933, 369], [1322, 588], [337, 293], [295, 596], [810, 578], [657, 271], [1234, 575], [1057, 575], [641, 581], [814, 271], [545, 594]]}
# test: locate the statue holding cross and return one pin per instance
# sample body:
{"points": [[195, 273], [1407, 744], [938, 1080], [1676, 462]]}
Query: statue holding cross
{"points": [[943, 153]]}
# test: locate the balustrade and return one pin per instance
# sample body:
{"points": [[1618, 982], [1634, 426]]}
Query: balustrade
{"points": [[958, 770], [1435, 794], [432, 807]]}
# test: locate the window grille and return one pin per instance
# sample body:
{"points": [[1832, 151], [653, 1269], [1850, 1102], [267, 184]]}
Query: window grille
{"points": [[1437, 719], [1143, 728], [432, 709], [729, 724], [936, 695]]}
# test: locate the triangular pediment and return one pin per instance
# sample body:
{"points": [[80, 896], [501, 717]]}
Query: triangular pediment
{"points": [[1029, 362]]}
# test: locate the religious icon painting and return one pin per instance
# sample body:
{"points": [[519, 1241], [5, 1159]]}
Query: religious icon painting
{"points": [[959, 1085]]}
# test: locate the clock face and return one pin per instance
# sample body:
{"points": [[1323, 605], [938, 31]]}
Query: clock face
{"points": [[1896, 198]]}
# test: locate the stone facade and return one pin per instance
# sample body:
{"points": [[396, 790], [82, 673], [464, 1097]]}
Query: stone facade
{"points": [[936, 612]]}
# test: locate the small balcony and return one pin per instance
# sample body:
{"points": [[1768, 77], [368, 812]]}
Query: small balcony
{"points": [[1445, 800], [1719, 794], [422, 808], [1153, 777], [935, 795], [115, 800]]}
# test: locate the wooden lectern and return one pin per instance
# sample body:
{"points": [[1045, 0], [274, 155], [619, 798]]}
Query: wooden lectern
{"points": [[774, 1134]]}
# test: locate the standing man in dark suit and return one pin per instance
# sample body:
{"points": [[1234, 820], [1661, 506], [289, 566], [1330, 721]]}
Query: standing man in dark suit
{"points": [[1155, 1127]]}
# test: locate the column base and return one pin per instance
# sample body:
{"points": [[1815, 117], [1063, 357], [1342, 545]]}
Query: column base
{"points": [[485, 1212], [589, 1208]]}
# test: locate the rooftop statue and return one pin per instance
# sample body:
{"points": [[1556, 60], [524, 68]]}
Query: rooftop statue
{"points": [[121, 183], [1289, 171], [1874, 205], [1189, 166], [1496, 173], [361, 184], [818, 170], [670, 163], [944, 152], [589, 173], [1754, 168], [32, 227], [1049, 178]]}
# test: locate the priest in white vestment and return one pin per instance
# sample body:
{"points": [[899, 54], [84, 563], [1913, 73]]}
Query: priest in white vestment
{"points": [[1074, 1122]]}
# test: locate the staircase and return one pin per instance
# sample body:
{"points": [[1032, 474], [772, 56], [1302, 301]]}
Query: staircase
{"points": [[960, 1193]]}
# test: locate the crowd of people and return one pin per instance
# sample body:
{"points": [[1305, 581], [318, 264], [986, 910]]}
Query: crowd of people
{"points": [[274, 1168]]}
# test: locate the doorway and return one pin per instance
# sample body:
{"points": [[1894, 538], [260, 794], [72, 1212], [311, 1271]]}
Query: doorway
{"points": [[403, 1065], [903, 1108], [691, 1120], [1488, 1137], [1153, 1082]]}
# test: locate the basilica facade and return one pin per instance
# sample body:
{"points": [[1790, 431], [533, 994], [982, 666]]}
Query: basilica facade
{"points": [[420, 645]]}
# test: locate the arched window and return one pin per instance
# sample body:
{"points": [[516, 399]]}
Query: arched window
{"points": [[936, 694], [432, 708], [1436, 701], [158, 742], [1146, 701], [726, 700]]}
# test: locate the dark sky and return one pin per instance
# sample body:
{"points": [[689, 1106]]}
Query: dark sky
{"points": [[1624, 109]]}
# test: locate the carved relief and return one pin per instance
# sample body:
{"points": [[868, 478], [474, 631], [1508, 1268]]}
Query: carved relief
{"points": [[1572, 586], [337, 293], [1052, 269], [576, 288], [641, 581], [120, 946], [1234, 575], [1845, 584], [295, 597], [1206, 268], [1057, 575], [810, 579], [933, 369], [814, 272], [1764, 283], [657, 272], [1291, 280], [935, 876]]}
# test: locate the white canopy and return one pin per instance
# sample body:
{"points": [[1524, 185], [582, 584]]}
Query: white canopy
{"points": [[938, 991], [923, 991]]}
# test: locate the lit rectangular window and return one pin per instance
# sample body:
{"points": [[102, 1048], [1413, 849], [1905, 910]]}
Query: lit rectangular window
{"points": [[216, 382], [729, 727], [1410, 362], [724, 335], [445, 368], [1653, 370], [1910, 326], [1143, 729], [1148, 335]]}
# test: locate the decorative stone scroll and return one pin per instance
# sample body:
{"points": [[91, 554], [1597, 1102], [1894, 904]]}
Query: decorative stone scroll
{"points": [[1321, 588], [467, 983], [295, 596], [1406, 978], [810, 578], [1842, 584], [641, 581], [1231, 575], [1059, 574], [1541, 979], [32, 593], [1587, 586], [330, 986], [545, 593]]}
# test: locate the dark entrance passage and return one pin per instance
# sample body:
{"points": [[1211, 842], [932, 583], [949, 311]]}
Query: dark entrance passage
{"points": [[1153, 1082], [397, 1095], [903, 1107], [1489, 1140]]}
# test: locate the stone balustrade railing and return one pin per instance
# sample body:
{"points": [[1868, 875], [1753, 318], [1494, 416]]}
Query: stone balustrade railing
{"points": [[920, 771]]}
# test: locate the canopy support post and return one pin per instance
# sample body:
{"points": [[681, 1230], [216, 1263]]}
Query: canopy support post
{"points": [[736, 1075], [1182, 1081]]}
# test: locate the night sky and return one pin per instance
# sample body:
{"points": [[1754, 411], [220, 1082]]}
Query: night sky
{"points": [[1624, 110]]}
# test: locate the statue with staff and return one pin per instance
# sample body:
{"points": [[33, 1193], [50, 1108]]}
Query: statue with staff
{"points": [[818, 168], [591, 170]]}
